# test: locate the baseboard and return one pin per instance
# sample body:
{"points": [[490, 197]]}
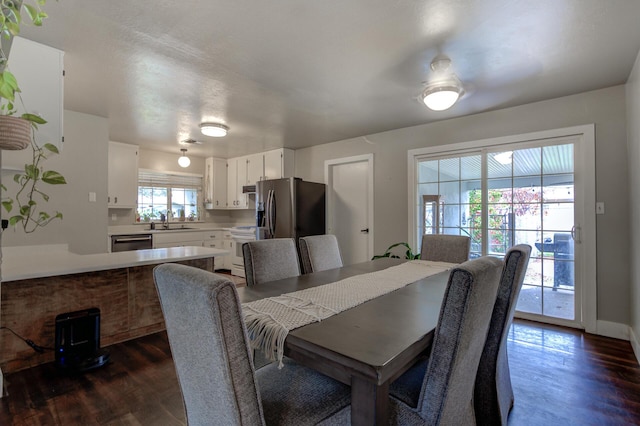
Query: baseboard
{"points": [[635, 343], [612, 329]]}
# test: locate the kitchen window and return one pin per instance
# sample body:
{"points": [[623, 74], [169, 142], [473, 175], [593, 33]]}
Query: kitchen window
{"points": [[174, 195]]}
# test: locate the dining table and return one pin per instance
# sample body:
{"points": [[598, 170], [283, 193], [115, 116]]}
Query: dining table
{"points": [[368, 346]]}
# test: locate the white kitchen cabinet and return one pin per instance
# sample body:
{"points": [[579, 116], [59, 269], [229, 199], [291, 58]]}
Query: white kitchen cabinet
{"points": [[215, 239], [278, 163], [39, 70], [122, 181], [216, 183], [236, 179], [186, 243], [255, 168], [168, 239], [228, 244]]}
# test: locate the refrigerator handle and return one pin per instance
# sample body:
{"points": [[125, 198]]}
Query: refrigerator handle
{"points": [[267, 207], [272, 205]]}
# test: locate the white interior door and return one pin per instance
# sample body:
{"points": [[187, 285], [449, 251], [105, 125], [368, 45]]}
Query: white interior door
{"points": [[350, 206]]}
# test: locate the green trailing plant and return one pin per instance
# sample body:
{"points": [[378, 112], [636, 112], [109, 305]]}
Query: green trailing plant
{"points": [[408, 254], [28, 215], [25, 201]]}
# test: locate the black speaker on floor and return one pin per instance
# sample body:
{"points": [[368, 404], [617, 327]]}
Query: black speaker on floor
{"points": [[78, 341]]}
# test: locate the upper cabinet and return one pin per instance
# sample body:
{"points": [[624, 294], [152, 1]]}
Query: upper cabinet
{"points": [[274, 164], [215, 183], [225, 183], [123, 176], [255, 168], [236, 179], [278, 164], [39, 70]]}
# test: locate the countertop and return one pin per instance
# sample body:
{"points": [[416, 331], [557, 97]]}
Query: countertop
{"points": [[139, 229], [21, 263]]}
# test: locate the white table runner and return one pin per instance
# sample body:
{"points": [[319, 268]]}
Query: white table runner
{"points": [[269, 320]]}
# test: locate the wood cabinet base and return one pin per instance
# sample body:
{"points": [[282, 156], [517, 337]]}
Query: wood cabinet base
{"points": [[126, 297]]}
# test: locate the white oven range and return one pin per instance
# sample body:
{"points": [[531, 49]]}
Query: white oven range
{"points": [[240, 235]]}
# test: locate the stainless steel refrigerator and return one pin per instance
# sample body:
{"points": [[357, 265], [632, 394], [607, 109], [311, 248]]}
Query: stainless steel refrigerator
{"points": [[290, 208]]}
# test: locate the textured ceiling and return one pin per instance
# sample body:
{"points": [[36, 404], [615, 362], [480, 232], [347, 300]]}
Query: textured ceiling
{"points": [[297, 73]]}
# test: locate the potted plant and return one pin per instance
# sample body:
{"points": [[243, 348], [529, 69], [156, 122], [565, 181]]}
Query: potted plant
{"points": [[408, 254], [16, 132]]}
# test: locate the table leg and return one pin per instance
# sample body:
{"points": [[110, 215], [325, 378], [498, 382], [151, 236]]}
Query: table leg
{"points": [[369, 402]]}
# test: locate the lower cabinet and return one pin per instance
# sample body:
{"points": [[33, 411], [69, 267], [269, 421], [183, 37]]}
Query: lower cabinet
{"points": [[178, 239], [228, 244], [216, 239]]}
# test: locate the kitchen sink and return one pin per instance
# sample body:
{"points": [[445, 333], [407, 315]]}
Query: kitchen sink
{"points": [[159, 228]]}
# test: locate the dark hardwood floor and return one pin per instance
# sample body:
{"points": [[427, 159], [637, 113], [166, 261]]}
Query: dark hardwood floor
{"points": [[560, 377]]}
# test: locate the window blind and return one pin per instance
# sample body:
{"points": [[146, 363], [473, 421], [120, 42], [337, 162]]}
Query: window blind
{"points": [[154, 178]]}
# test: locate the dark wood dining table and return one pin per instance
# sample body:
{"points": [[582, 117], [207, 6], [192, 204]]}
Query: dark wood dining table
{"points": [[368, 346]]}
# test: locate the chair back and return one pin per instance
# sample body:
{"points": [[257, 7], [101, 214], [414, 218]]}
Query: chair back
{"points": [[269, 260], [319, 252], [208, 343], [493, 392], [446, 396], [445, 248]]}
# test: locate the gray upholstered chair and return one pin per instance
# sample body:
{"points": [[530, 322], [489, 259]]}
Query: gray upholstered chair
{"points": [[493, 392], [445, 248], [269, 260], [212, 358], [319, 252], [438, 390]]}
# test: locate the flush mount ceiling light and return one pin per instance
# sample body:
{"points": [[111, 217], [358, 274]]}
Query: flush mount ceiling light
{"points": [[184, 161], [214, 129], [444, 88]]}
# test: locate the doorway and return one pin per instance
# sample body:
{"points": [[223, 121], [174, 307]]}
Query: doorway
{"points": [[533, 189], [350, 206]]}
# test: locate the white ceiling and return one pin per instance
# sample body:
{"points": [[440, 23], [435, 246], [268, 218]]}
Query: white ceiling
{"points": [[297, 73]]}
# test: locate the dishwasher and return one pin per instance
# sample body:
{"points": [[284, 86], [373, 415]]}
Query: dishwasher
{"points": [[131, 242]]}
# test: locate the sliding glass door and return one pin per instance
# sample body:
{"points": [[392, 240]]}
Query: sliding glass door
{"points": [[521, 193]]}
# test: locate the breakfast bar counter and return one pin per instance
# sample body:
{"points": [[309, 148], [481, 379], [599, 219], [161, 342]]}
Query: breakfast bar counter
{"points": [[39, 283], [21, 263]]}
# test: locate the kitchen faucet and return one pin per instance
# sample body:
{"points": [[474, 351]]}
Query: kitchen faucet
{"points": [[163, 219]]}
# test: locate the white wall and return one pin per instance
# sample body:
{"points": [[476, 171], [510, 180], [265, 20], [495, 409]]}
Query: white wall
{"points": [[605, 108], [83, 163], [633, 141]]}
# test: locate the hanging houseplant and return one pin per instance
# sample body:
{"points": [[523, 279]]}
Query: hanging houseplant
{"points": [[17, 132]]}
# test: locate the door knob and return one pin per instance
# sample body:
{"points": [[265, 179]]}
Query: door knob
{"points": [[365, 230]]}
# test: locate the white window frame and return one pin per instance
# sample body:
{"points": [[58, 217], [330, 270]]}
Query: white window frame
{"points": [[585, 219], [170, 181]]}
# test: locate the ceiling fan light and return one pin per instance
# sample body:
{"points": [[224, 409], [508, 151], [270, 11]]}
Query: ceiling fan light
{"points": [[440, 98], [215, 130], [444, 88], [184, 161]]}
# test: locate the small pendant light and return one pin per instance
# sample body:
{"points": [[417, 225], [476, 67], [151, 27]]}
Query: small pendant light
{"points": [[184, 161]]}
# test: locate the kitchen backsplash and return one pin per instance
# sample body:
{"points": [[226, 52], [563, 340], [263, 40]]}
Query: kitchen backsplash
{"points": [[222, 218]]}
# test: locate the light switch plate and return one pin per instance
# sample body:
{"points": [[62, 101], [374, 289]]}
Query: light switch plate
{"points": [[600, 208], [92, 197]]}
